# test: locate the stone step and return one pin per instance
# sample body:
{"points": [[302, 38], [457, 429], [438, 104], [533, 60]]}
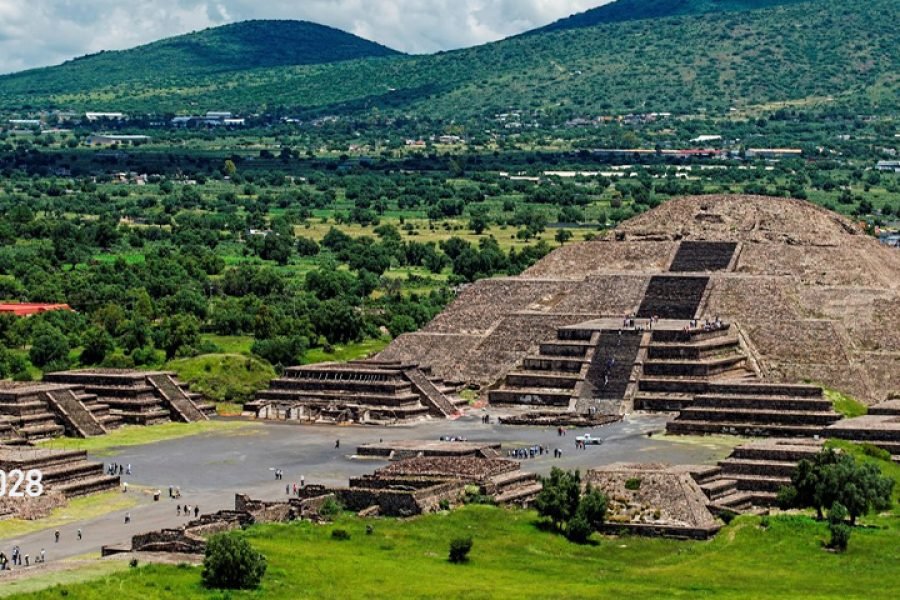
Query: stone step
{"points": [[719, 488], [693, 368], [72, 470], [763, 402], [90, 485], [743, 415], [684, 426], [742, 466], [530, 396], [543, 379], [785, 452], [705, 474], [677, 385], [41, 432], [519, 494], [409, 398], [335, 385], [760, 483], [505, 480], [22, 407], [764, 389], [692, 336], [662, 402], [566, 348], [543, 362]]}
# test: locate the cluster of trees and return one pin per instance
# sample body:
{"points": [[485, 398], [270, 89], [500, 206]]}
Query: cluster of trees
{"points": [[571, 512], [837, 482]]}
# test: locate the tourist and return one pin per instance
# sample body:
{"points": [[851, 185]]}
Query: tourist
{"points": [[128, 469], [178, 510], [56, 535], [302, 482], [127, 518], [3, 561], [125, 487], [196, 511], [27, 561], [79, 535], [287, 489], [337, 443], [43, 556]]}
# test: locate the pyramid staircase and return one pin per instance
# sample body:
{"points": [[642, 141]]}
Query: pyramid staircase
{"points": [[359, 391], [181, 406], [514, 488], [751, 477]]}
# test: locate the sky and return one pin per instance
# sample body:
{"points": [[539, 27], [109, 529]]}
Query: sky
{"points": [[35, 33]]}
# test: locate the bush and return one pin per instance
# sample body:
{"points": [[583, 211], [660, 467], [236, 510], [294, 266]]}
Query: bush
{"points": [[578, 529], [444, 504], [459, 550], [876, 452], [231, 563], [633, 484], [840, 536], [330, 508], [340, 534], [787, 497]]}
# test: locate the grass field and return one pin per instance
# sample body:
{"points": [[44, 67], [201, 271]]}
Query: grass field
{"points": [[230, 378], [514, 557], [846, 405], [136, 435], [78, 509], [355, 351]]}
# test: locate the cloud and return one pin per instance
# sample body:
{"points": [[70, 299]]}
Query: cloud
{"points": [[44, 32]]}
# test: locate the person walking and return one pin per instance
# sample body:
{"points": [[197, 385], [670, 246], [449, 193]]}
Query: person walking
{"points": [[79, 535], [127, 518], [56, 536], [43, 556]]}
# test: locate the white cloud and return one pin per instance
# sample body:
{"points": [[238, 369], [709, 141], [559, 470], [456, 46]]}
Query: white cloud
{"points": [[44, 32]]}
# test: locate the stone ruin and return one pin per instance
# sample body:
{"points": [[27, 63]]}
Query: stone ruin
{"points": [[713, 307], [402, 449], [403, 489], [371, 392], [66, 474]]}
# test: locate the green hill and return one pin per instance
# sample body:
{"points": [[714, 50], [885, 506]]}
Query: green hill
{"points": [[231, 48], [838, 52], [633, 10]]}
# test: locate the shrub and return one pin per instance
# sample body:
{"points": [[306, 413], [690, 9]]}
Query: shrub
{"points": [[459, 549], [340, 534], [840, 531], [231, 563], [764, 521], [330, 508], [787, 497], [578, 529], [727, 516], [633, 484], [444, 504], [876, 452]]}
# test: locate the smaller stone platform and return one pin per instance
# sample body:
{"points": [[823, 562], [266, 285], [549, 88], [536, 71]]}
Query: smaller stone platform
{"points": [[398, 450], [880, 428], [655, 500], [139, 397]]}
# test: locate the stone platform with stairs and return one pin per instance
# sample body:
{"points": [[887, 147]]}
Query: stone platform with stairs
{"points": [[68, 472], [138, 397], [377, 392]]}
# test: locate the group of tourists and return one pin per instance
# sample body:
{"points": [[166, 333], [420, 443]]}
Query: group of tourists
{"points": [[531, 452], [116, 469], [19, 559], [279, 474], [295, 489], [187, 510]]}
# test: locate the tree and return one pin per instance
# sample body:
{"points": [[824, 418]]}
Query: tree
{"points": [[558, 500], [831, 478], [177, 334], [229, 168], [282, 350], [840, 531], [231, 563], [562, 236], [97, 345], [48, 347]]}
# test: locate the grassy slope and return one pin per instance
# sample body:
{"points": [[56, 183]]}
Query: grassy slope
{"points": [[513, 559], [679, 64], [224, 377], [632, 10], [226, 49], [78, 509]]}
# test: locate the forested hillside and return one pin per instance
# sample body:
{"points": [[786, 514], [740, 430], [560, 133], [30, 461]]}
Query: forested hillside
{"points": [[633, 10], [840, 52], [175, 61]]}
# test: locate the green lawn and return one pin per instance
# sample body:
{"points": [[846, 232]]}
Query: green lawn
{"points": [[355, 351], [512, 558], [232, 378], [78, 509], [136, 435], [844, 404]]}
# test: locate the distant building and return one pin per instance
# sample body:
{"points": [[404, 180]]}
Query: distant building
{"points": [[771, 153], [219, 115], [890, 166], [107, 139], [109, 116], [26, 309], [702, 139], [25, 122]]}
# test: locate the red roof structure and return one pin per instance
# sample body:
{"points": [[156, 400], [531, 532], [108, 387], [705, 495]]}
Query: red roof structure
{"points": [[26, 309]]}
